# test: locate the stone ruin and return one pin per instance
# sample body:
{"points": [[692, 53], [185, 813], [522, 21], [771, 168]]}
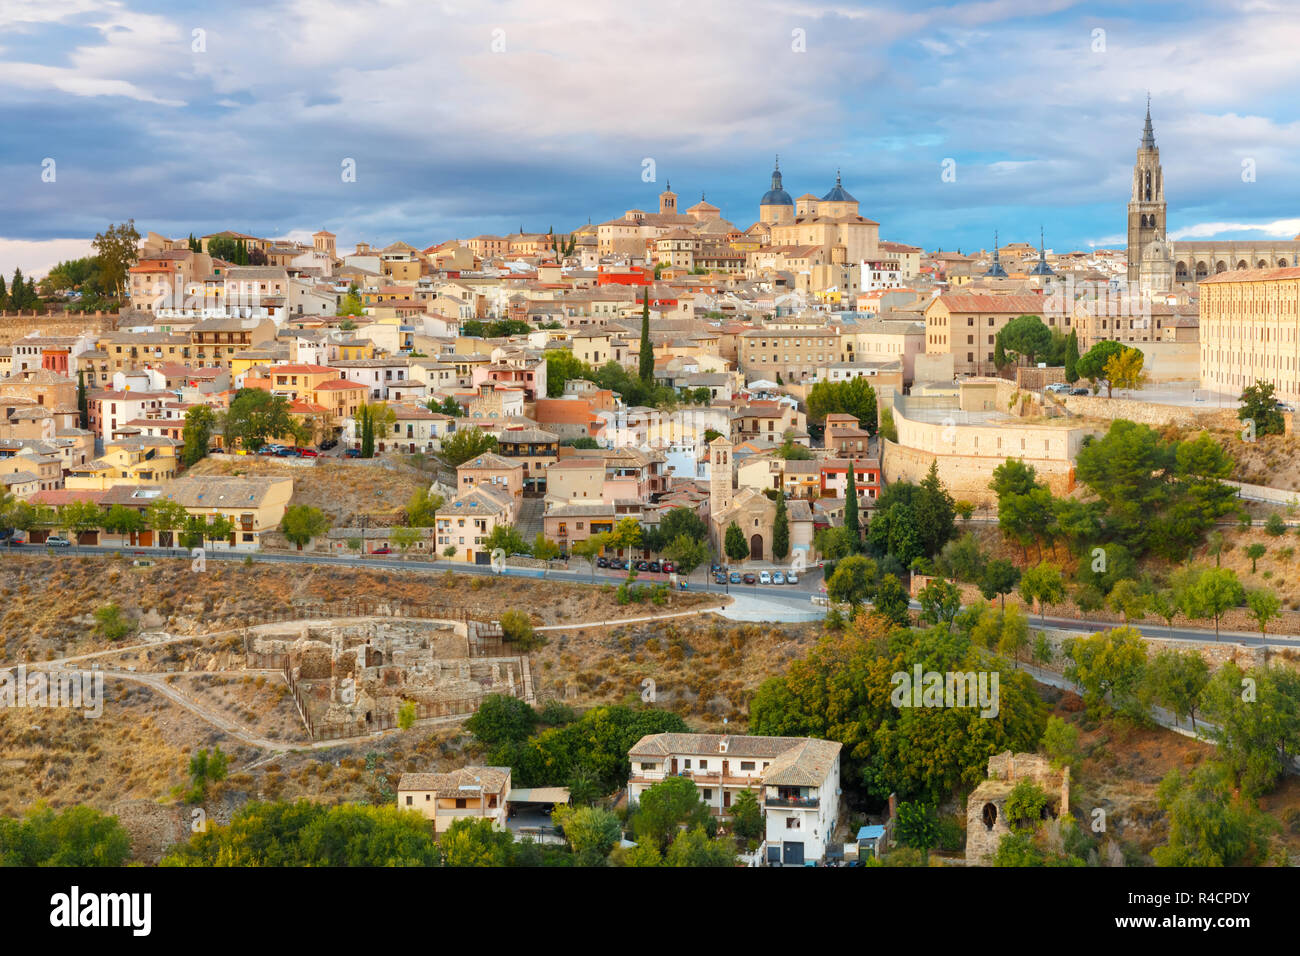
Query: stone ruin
{"points": [[352, 677], [986, 818]]}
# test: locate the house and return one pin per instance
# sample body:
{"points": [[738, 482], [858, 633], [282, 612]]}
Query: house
{"points": [[254, 506], [476, 793], [494, 471], [465, 523], [796, 780]]}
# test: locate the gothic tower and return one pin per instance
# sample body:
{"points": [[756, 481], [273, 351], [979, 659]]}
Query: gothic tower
{"points": [[1146, 209], [668, 201], [720, 492]]}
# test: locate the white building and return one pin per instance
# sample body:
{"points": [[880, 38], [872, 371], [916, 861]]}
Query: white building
{"points": [[796, 780]]}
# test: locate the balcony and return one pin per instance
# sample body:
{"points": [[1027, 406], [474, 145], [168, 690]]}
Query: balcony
{"points": [[796, 803]]}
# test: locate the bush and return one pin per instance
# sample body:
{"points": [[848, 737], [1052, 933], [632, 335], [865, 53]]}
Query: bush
{"points": [[517, 627], [1275, 525]]}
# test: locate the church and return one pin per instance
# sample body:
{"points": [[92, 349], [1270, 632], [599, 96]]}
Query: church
{"points": [[1158, 265]]}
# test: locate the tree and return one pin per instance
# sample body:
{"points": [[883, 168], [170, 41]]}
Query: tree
{"points": [[1217, 591], [1177, 680], [1255, 719], [256, 417], [372, 421], [507, 538], [406, 714], [891, 601], [197, 434], [1164, 605], [301, 523], [351, 303], [110, 623], [1259, 406], [517, 628], [853, 396], [665, 808], [683, 521], [1042, 583], [1025, 335], [501, 718], [1128, 600], [854, 581], [888, 430], [466, 443], [627, 533], [1025, 806], [1208, 826], [1108, 664], [562, 366], [1264, 606], [79, 517], [422, 509], [940, 601], [833, 543], [1254, 551], [404, 538], [734, 544], [115, 250], [936, 516], [164, 515], [687, 554], [77, 836], [544, 549], [851, 509], [590, 832], [476, 842], [998, 579], [1014, 636], [121, 520], [1072, 358], [746, 816], [646, 360], [1061, 742], [917, 825], [1124, 370], [83, 401], [780, 530], [590, 549], [694, 847], [1092, 365]]}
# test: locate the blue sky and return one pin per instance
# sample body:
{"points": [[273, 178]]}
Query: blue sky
{"points": [[245, 124]]}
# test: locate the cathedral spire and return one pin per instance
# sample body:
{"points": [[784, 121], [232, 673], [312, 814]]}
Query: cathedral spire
{"points": [[1042, 268], [995, 270], [1148, 134]]}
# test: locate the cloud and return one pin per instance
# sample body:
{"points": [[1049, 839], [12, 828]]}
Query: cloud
{"points": [[1277, 229], [37, 257]]}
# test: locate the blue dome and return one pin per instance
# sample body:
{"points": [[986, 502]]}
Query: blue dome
{"points": [[776, 196], [839, 193]]}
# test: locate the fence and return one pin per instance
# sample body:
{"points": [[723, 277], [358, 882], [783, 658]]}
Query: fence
{"points": [[362, 608]]}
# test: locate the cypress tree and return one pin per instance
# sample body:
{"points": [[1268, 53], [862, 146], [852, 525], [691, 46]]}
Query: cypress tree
{"points": [[1072, 357], [4, 295], [647, 365], [780, 530], [851, 508], [83, 403]]}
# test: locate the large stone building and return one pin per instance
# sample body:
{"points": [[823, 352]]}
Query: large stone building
{"points": [[1250, 330]]}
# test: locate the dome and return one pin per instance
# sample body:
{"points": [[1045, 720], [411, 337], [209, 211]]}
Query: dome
{"points": [[839, 193], [776, 196]]}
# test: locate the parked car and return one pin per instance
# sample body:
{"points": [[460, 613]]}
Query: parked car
{"points": [[288, 453], [749, 578], [353, 453], [653, 567], [15, 542], [328, 443], [307, 452], [602, 562], [643, 565], [1080, 391], [719, 578], [778, 577], [58, 541], [382, 549], [791, 578], [735, 577], [1058, 387], [668, 567], [765, 577], [266, 450], [715, 568]]}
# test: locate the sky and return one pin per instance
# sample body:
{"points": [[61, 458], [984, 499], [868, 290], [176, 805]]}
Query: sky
{"points": [[463, 117]]}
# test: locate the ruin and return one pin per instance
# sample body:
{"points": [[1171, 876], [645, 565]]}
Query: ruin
{"points": [[352, 676], [986, 818]]}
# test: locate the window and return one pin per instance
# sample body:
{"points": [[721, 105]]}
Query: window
{"points": [[747, 765], [793, 823], [408, 799]]}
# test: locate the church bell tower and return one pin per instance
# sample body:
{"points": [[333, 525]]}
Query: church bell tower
{"points": [[1146, 208]]}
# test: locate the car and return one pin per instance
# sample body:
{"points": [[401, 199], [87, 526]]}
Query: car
{"points": [[602, 562], [328, 443], [765, 577], [216, 451], [643, 565], [653, 567], [382, 549], [307, 452], [15, 542], [1080, 391], [791, 578], [58, 541], [735, 577], [266, 450], [1058, 387], [715, 568], [749, 578], [288, 453], [353, 453], [668, 567], [719, 578], [778, 577]]}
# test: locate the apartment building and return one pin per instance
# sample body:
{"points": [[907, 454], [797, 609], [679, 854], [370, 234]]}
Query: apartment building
{"points": [[965, 326], [1250, 330], [787, 355]]}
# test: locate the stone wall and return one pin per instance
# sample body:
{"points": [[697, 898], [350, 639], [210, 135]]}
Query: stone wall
{"points": [[17, 325], [986, 818], [1146, 413], [967, 477]]}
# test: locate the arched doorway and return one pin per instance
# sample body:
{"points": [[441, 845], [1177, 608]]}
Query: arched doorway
{"points": [[756, 547]]}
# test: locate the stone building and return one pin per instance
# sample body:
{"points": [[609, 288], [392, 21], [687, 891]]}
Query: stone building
{"points": [[986, 817]]}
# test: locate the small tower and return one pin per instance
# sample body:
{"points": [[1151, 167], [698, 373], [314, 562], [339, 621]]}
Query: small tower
{"points": [[1042, 268], [668, 200], [719, 476], [995, 270], [323, 241], [1146, 208], [776, 206]]}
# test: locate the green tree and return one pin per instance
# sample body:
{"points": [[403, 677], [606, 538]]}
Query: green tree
{"points": [[917, 825], [590, 832], [682, 520], [1072, 358], [404, 538], [591, 549], [80, 517], [1026, 336], [1108, 664], [892, 601], [406, 715], [936, 516], [256, 417], [111, 624], [687, 554], [646, 359], [302, 523], [1216, 592], [1042, 583], [1254, 551], [197, 434], [746, 816], [517, 628], [121, 520], [476, 842], [1208, 826], [115, 251], [501, 718], [165, 516], [851, 509], [76, 836], [351, 303], [854, 397], [1264, 606], [466, 443], [780, 530], [734, 543], [1255, 719], [694, 847], [940, 601], [1092, 365], [1259, 406], [665, 808], [854, 581], [422, 509], [1177, 680], [1026, 807], [998, 579], [1061, 742]]}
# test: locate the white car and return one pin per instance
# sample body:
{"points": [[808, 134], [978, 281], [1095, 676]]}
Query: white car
{"points": [[778, 577], [765, 578], [1058, 387], [791, 578]]}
